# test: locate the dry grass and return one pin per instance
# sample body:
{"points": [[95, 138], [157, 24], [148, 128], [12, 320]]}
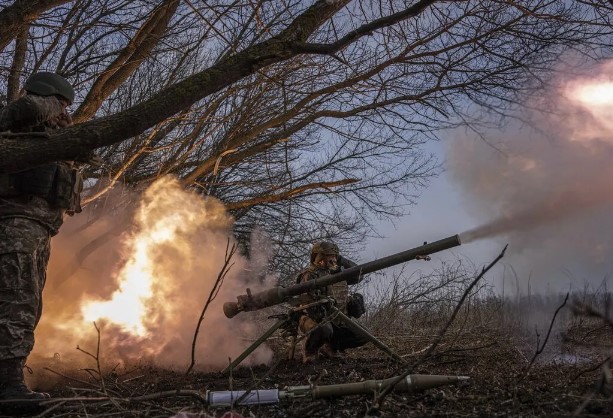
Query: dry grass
{"points": [[492, 339]]}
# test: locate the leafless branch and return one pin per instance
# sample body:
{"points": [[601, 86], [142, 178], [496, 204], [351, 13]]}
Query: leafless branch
{"points": [[381, 396], [230, 251], [541, 347]]}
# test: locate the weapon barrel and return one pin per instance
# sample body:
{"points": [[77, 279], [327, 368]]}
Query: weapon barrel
{"points": [[278, 295]]}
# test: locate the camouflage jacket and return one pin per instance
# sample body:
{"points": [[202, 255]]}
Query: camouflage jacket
{"points": [[338, 291], [30, 113]]}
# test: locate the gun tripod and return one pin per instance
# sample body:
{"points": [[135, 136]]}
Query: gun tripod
{"points": [[289, 321]]}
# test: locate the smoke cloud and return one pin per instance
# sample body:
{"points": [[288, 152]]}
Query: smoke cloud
{"points": [[548, 190], [98, 257]]}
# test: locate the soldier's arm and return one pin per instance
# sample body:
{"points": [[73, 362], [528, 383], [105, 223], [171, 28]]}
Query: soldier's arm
{"points": [[347, 263], [30, 111]]}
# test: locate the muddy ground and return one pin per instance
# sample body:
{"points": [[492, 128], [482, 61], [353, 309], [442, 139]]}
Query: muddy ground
{"points": [[559, 383]]}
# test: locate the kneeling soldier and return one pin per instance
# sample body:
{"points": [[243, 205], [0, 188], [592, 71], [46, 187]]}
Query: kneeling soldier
{"points": [[324, 337]]}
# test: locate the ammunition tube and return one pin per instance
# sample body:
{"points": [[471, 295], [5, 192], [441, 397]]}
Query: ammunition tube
{"points": [[412, 383], [255, 397]]}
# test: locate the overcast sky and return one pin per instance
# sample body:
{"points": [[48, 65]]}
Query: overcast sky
{"points": [[440, 212], [547, 192]]}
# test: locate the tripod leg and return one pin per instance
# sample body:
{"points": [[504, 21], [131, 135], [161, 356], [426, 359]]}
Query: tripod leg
{"points": [[360, 330], [292, 348], [255, 345]]}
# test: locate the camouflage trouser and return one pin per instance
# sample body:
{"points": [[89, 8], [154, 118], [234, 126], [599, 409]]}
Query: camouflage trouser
{"points": [[24, 253], [344, 337], [340, 337], [318, 335]]}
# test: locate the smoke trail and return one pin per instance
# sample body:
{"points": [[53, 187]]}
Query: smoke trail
{"points": [[548, 191], [562, 206]]}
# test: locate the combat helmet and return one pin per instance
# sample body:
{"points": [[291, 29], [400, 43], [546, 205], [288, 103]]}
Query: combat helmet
{"points": [[324, 247], [49, 84]]}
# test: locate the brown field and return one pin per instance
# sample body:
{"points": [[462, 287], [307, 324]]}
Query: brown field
{"points": [[491, 340]]}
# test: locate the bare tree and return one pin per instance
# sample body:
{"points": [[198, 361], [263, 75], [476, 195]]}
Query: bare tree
{"points": [[16, 17], [306, 119]]}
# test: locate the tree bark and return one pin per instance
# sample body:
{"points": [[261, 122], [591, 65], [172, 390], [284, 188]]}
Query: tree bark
{"points": [[70, 143], [19, 57], [20, 14]]}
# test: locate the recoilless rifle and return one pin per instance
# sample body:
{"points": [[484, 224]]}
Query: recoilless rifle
{"points": [[277, 295]]}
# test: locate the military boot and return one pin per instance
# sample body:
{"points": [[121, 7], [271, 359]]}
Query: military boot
{"points": [[326, 351], [308, 357], [12, 383]]}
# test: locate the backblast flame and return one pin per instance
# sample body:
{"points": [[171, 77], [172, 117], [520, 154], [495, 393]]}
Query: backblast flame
{"points": [[164, 219], [147, 289]]}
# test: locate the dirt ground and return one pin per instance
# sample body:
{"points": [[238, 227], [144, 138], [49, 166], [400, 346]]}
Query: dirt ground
{"points": [[556, 384]]}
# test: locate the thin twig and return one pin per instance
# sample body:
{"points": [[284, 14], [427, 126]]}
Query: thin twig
{"points": [[540, 349], [97, 358], [133, 378], [70, 378], [591, 369], [387, 390], [257, 382], [212, 295], [50, 409]]}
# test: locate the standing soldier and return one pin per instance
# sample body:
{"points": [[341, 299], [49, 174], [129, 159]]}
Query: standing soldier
{"points": [[32, 205], [329, 338]]}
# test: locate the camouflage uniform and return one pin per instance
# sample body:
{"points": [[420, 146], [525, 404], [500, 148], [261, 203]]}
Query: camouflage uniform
{"points": [[333, 336], [24, 253], [32, 204]]}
